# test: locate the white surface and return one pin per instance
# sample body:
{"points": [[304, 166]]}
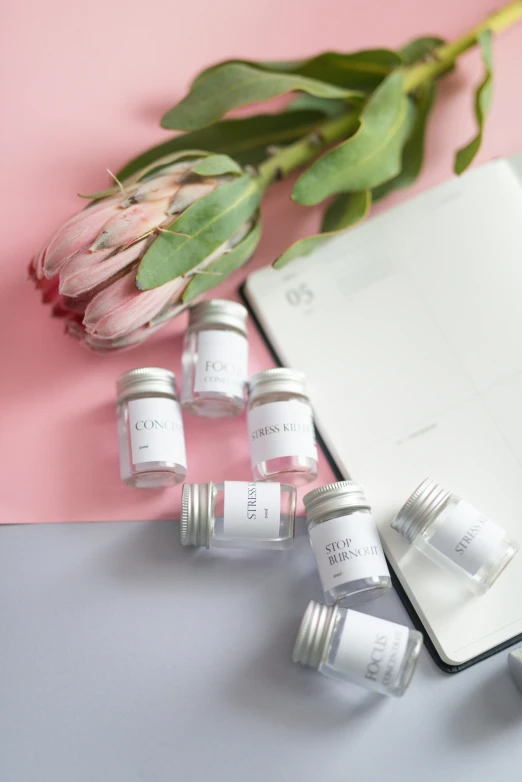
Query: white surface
{"points": [[126, 658], [413, 357]]}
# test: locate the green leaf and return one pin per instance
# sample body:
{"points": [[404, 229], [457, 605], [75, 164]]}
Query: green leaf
{"points": [[219, 270], [235, 85], [483, 96], [369, 157], [345, 211], [362, 70], [413, 151], [329, 107], [420, 49], [214, 165], [207, 224], [244, 139]]}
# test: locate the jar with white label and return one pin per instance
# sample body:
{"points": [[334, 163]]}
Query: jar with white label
{"points": [[215, 359], [455, 535], [358, 648], [281, 427], [150, 429], [238, 514], [346, 544]]}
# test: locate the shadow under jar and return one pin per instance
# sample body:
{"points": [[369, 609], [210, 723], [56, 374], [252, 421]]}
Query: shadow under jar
{"points": [[150, 429], [346, 544], [215, 359], [281, 428], [455, 536], [238, 514]]}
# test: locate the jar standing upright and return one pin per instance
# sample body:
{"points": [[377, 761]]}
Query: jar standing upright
{"points": [[215, 359], [346, 544], [281, 427], [150, 429]]}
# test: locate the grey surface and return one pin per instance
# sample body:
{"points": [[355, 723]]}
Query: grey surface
{"points": [[125, 658]]}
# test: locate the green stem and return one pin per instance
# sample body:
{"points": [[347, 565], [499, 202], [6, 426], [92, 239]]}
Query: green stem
{"points": [[308, 148]]}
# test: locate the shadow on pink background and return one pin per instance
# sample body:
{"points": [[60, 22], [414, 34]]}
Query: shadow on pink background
{"points": [[85, 89]]}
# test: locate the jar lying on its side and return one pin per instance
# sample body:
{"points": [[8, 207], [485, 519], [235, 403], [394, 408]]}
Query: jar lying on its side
{"points": [[238, 514], [150, 429], [358, 648], [215, 359], [455, 535], [346, 544], [281, 427]]}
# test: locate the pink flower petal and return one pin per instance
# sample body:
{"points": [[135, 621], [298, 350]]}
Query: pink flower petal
{"points": [[121, 308], [77, 234], [187, 194], [130, 224], [87, 270]]}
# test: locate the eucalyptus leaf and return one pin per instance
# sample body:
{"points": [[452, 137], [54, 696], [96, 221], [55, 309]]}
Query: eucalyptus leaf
{"points": [[413, 151], [214, 165], [483, 96], [219, 270], [420, 49], [346, 210], [369, 157], [329, 107], [233, 85], [245, 139], [207, 224]]}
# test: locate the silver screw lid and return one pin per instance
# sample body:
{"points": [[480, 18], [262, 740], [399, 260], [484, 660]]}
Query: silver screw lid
{"points": [[315, 634], [280, 380], [196, 514], [420, 509], [219, 312], [153, 380], [334, 497]]}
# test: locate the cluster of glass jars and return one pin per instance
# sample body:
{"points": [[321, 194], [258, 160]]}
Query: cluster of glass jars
{"points": [[333, 638]]}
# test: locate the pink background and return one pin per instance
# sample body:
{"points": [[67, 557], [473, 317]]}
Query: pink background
{"points": [[84, 87]]}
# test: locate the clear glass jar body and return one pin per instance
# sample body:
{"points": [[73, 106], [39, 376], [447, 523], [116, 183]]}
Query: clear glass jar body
{"points": [[349, 556], [279, 455], [465, 542], [371, 652], [215, 370], [152, 427]]}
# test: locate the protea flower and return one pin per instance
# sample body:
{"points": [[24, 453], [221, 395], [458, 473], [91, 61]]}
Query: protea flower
{"points": [[88, 270]]}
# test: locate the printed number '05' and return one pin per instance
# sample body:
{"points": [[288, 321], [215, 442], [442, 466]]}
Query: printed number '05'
{"points": [[300, 295]]}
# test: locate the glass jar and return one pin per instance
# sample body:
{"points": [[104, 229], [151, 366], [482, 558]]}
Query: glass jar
{"points": [[455, 535], [238, 514], [215, 359], [358, 648], [346, 544], [281, 427], [150, 429]]}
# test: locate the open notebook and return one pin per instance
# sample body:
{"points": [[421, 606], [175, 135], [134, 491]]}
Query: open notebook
{"points": [[409, 329]]}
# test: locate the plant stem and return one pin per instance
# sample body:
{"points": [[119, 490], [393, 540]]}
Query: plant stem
{"points": [[306, 149]]}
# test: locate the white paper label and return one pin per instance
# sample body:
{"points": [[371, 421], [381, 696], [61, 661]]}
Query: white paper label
{"points": [[156, 431], [222, 364], [466, 537], [348, 548], [371, 649], [281, 429], [252, 510]]}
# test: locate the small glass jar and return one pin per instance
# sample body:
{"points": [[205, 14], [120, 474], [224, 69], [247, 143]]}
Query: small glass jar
{"points": [[281, 427], [150, 429], [215, 359], [358, 648], [346, 544], [455, 535], [238, 514]]}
